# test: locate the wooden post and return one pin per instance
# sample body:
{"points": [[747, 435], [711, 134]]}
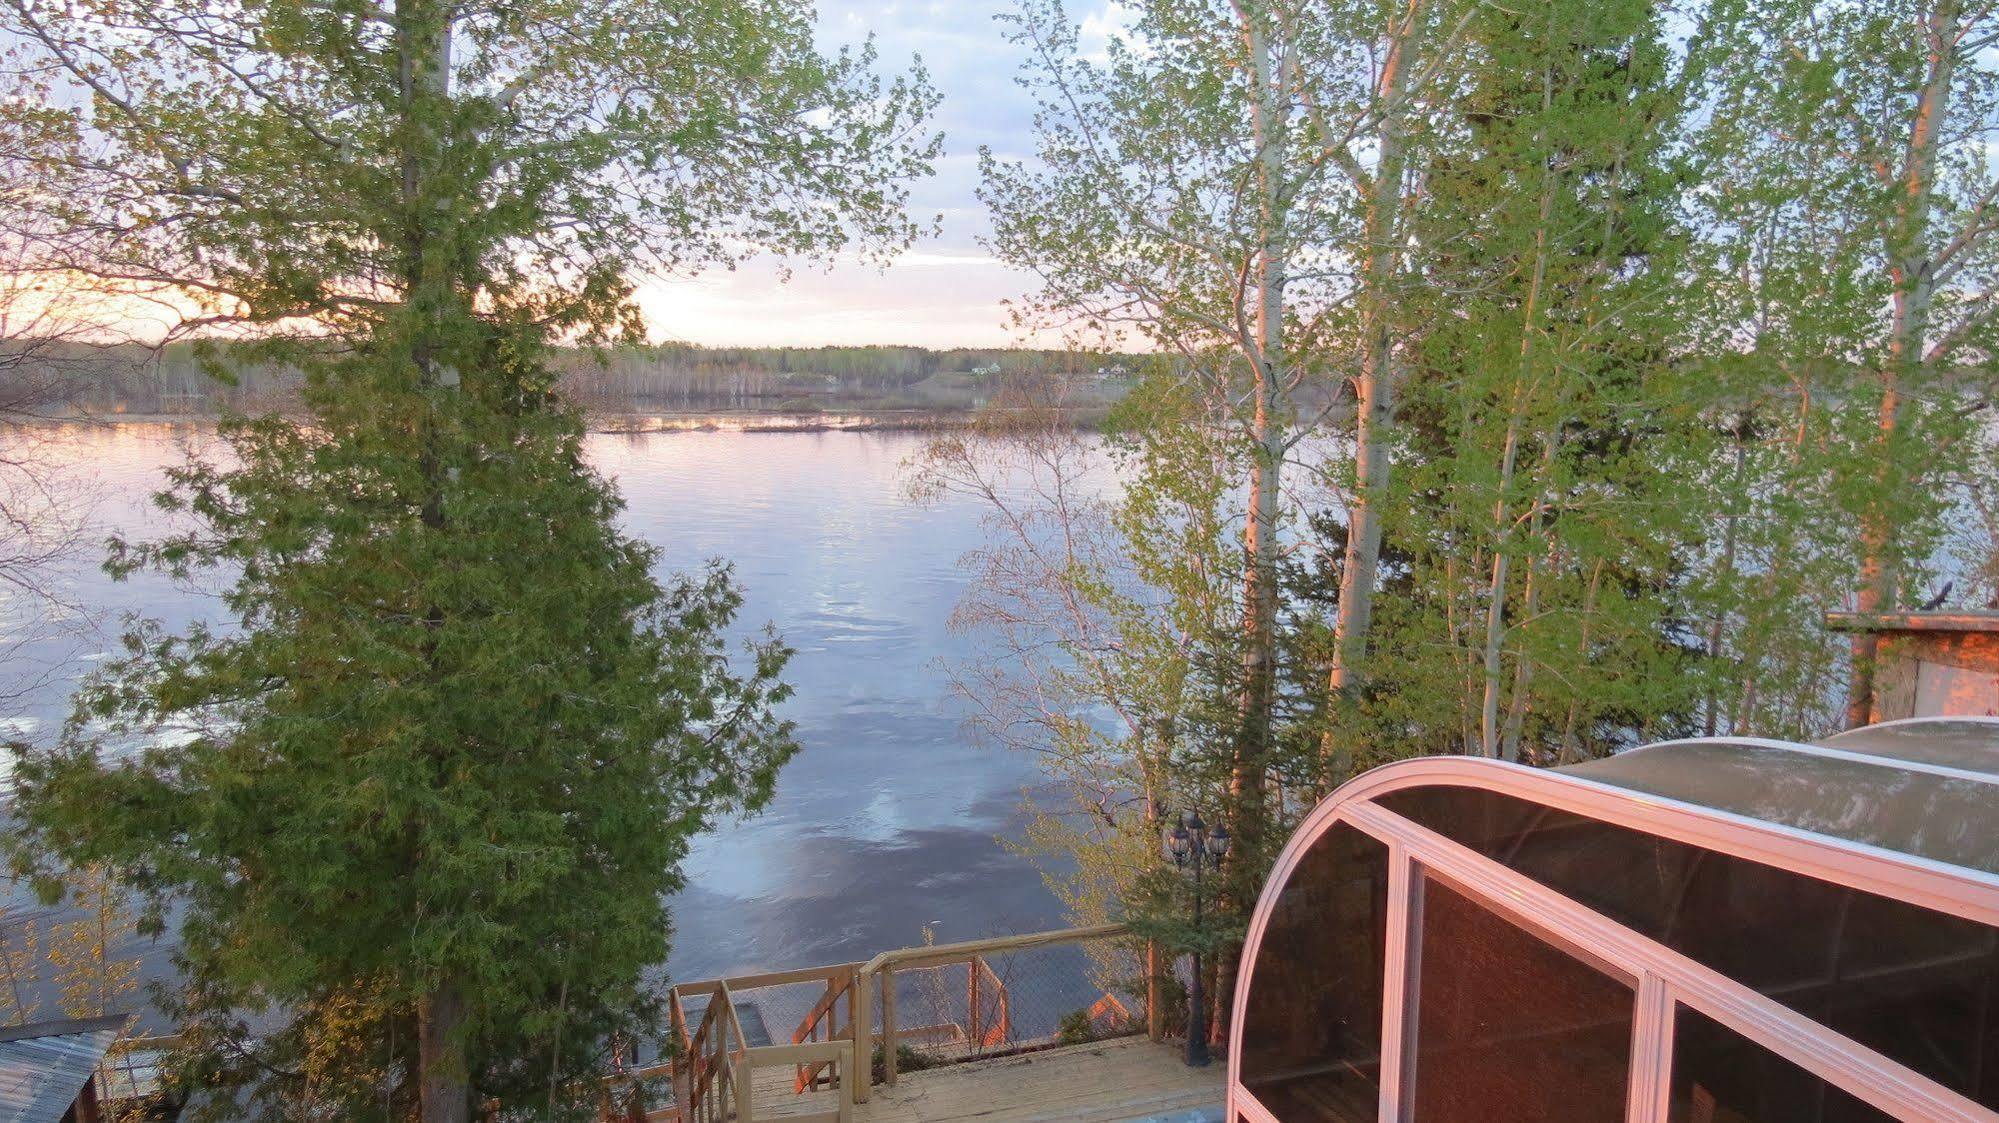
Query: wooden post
{"points": [[85, 1104], [746, 1084], [888, 1025], [848, 1088], [1155, 1017], [864, 1038], [972, 1000]]}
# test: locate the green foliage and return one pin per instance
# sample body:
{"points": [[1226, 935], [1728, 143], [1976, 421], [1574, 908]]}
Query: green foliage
{"points": [[467, 753], [1541, 525], [417, 810], [1076, 1028], [906, 1060], [1688, 350], [1849, 263], [1195, 179]]}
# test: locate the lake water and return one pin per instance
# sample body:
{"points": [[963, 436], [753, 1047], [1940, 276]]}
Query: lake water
{"points": [[887, 821]]}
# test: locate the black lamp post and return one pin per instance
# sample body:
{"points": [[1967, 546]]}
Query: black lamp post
{"points": [[1193, 844]]}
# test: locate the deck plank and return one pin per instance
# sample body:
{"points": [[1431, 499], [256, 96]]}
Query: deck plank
{"points": [[1098, 1083]]}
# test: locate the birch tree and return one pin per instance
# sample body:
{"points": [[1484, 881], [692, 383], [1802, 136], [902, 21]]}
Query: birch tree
{"points": [[420, 809], [1158, 207], [1217, 186], [1205, 189], [1104, 602], [1379, 116], [1859, 214]]}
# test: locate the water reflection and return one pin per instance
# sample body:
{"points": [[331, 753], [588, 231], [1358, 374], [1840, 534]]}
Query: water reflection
{"points": [[887, 820]]}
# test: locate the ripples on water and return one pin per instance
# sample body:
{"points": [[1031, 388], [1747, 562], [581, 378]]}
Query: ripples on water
{"points": [[886, 822]]}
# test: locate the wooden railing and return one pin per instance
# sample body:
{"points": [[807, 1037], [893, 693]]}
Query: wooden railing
{"points": [[836, 1055], [711, 1074], [877, 976], [822, 1023], [711, 1077], [711, 1063]]}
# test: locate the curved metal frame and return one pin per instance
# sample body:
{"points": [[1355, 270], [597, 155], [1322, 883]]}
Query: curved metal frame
{"points": [[1943, 719], [1834, 752], [1664, 978]]}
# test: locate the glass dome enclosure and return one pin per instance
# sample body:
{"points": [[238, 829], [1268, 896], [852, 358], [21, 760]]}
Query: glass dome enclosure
{"points": [[1711, 931]]}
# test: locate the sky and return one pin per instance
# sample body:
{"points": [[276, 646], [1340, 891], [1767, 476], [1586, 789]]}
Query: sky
{"points": [[946, 291]]}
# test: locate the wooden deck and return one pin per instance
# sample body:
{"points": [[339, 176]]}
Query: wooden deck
{"points": [[726, 1041], [1130, 1078]]}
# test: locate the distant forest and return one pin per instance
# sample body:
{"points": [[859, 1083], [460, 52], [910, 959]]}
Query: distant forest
{"points": [[674, 376]]}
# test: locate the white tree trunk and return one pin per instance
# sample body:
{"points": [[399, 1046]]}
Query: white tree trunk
{"points": [[1374, 386], [1910, 258]]}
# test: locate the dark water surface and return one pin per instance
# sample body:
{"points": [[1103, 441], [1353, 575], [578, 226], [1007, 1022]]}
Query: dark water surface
{"points": [[887, 821]]}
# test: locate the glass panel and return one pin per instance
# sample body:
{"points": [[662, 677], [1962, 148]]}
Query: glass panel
{"points": [[1719, 1076], [1947, 818], [1956, 744], [1311, 1040], [1915, 985], [1511, 1029]]}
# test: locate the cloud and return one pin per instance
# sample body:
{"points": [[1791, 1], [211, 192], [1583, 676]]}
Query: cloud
{"points": [[930, 299], [948, 290]]}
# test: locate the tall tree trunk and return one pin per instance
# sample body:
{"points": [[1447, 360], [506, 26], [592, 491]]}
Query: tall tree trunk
{"points": [[1717, 625], [1495, 607], [423, 33], [1495, 597], [1270, 111], [446, 1088], [1523, 668], [1908, 336], [1569, 750], [1374, 386], [1153, 771]]}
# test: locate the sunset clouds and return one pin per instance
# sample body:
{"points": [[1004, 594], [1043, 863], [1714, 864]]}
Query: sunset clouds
{"points": [[947, 291]]}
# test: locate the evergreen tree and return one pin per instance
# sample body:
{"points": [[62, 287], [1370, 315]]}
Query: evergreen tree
{"points": [[1549, 429], [417, 810]]}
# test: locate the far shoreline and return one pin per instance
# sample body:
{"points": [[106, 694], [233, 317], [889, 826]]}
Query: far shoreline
{"points": [[640, 422]]}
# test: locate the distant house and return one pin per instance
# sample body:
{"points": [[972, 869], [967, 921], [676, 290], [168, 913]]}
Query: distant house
{"points": [[48, 1070], [1112, 373]]}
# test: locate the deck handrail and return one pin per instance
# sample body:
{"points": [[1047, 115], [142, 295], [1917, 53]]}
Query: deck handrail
{"points": [[836, 1053], [710, 1073], [839, 983], [884, 966], [766, 979], [932, 955]]}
